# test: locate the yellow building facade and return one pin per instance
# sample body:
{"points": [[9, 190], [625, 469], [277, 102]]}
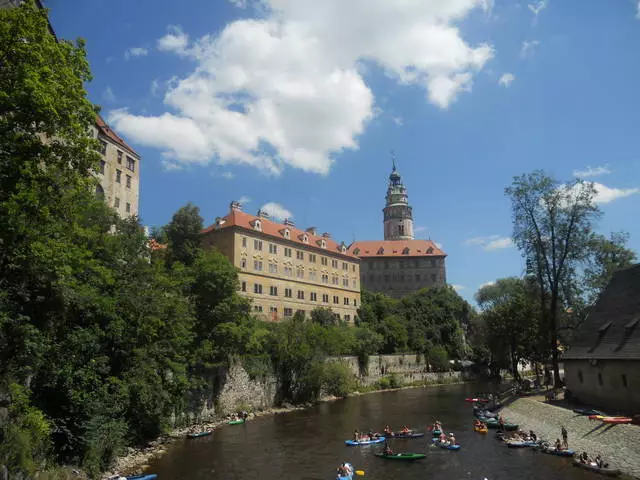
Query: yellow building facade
{"points": [[283, 269]]}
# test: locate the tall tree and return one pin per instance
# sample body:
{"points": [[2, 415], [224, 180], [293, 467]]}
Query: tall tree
{"points": [[183, 235], [607, 256], [552, 227]]}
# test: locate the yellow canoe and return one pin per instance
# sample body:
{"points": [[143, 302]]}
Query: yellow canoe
{"points": [[480, 429]]}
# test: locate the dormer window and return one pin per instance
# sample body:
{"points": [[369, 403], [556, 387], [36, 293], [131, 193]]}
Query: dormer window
{"points": [[343, 248], [356, 251], [305, 238], [323, 243], [286, 233], [381, 251], [429, 251], [257, 225], [405, 251]]}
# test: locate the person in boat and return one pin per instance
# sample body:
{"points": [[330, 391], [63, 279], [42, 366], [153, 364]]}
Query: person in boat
{"points": [[500, 423], [388, 432], [342, 471], [452, 439], [442, 437], [533, 436], [565, 437], [347, 469], [356, 436], [558, 445], [584, 458], [405, 429]]}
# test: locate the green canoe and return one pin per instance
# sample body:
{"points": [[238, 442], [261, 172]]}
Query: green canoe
{"points": [[236, 422], [402, 456]]}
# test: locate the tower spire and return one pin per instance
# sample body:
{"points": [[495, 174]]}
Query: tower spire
{"points": [[393, 160]]}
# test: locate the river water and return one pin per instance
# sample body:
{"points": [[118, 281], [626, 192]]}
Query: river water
{"points": [[309, 444]]}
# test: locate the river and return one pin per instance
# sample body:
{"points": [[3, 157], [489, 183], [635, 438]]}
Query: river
{"points": [[309, 444]]}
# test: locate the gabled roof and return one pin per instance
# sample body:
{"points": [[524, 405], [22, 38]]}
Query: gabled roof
{"points": [[113, 136], [612, 328], [274, 229], [396, 248]]}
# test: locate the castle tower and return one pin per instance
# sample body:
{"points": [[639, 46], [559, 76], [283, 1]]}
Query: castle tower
{"points": [[398, 220]]}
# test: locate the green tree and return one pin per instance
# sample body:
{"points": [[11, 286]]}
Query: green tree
{"points": [[552, 226], [324, 317], [183, 235], [607, 256]]}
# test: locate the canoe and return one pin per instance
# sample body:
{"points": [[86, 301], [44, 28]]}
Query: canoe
{"points": [[199, 434], [476, 400], [587, 411], [612, 472], [480, 429], [349, 477], [353, 443], [446, 446], [616, 419], [151, 476], [407, 435], [236, 422], [553, 451], [521, 444], [402, 456]]}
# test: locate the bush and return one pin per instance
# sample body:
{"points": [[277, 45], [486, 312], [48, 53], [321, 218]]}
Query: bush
{"points": [[438, 358], [389, 381], [337, 379]]}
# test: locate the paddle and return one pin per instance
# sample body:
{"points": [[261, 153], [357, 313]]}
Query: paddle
{"points": [[360, 472]]}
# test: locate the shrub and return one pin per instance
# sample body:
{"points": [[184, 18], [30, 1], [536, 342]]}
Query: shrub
{"points": [[337, 379], [389, 381]]}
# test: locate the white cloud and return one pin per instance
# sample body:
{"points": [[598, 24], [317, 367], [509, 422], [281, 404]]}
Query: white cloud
{"points": [[276, 211], [506, 79], [244, 199], [239, 3], [592, 172], [528, 48], [457, 288], [155, 87], [287, 88], [228, 175], [175, 41], [606, 194], [398, 121], [171, 166], [486, 284], [479, 241], [537, 7], [135, 52], [498, 244], [108, 95]]}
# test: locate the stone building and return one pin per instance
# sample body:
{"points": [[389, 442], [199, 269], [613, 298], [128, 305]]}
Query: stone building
{"points": [[283, 269], [602, 365], [399, 264]]}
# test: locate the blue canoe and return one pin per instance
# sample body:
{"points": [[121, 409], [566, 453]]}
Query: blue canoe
{"points": [[200, 434], [560, 453], [446, 446], [407, 435], [350, 477], [151, 476], [353, 443], [521, 444]]}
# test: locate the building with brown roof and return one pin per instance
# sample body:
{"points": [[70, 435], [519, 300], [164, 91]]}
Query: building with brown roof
{"points": [[602, 365], [283, 269], [399, 264]]}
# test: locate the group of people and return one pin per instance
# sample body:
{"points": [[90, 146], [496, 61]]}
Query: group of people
{"points": [[447, 440], [479, 424], [345, 470], [390, 433], [364, 437], [596, 462], [239, 416]]}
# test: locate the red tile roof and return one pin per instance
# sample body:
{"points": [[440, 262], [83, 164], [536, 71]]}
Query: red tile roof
{"points": [[396, 248], [275, 229], [113, 136], [154, 245]]}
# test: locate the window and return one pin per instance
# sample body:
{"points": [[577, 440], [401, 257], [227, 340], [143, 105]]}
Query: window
{"points": [[300, 295], [402, 277], [345, 282], [128, 207], [400, 229], [353, 283], [312, 258], [416, 263], [355, 302], [273, 249], [243, 263], [600, 379], [323, 261], [288, 312], [118, 176], [257, 308], [334, 263], [257, 288], [334, 280], [345, 266], [287, 252], [313, 296], [273, 268], [131, 164], [305, 238], [116, 203], [386, 279], [288, 271], [257, 265], [325, 298], [300, 273], [257, 225], [336, 299], [273, 309], [405, 251], [323, 244], [312, 275], [103, 147], [372, 266], [433, 277], [347, 318], [102, 165], [401, 263], [353, 268], [273, 291], [418, 277], [345, 301], [299, 255], [120, 157], [257, 245], [325, 278], [244, 242], [243, 286], [286, 233], [288, 292], [128, 181], [624, 380]]}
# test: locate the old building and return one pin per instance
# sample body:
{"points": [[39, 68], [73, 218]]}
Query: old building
{"points": [[119, 171], [399, 264], [602, 365], [283, 269]]}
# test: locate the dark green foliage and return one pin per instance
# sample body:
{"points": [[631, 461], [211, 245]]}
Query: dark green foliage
{"points": [[389, 381], [337, 379], [183, 235]]}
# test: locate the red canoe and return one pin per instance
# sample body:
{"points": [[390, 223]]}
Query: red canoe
{"points": [[617, 419], [474, 400]]}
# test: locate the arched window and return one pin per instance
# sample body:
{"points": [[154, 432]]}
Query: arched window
{"points": [[401, 229]]}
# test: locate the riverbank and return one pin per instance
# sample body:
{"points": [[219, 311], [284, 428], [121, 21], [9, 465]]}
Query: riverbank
{"points": [[618, 444]]}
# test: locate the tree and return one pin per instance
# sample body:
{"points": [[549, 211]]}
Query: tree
{"points": [[607, 256], [552, 225], [324, 317], [183, 235]]}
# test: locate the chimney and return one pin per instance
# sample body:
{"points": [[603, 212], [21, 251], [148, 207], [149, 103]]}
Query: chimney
{"points": [[235, 206], [289, 222], [262, 213], [312, 231], [326, 235]]}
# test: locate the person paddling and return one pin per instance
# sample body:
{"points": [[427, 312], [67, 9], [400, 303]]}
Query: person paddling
{"points": [[565, 437]]}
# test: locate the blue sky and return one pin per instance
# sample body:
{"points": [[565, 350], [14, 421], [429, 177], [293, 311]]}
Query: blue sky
{"points": [[298, 103]]}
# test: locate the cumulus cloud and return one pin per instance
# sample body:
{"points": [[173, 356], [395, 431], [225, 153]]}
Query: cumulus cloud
{"points": [[135, 52], [592, 172], [276, 211], [506, 79], [239, 3], [155, 87], [490, 242], [486, 284], [606, 194], [528, 48], [108, 95], [244, 199], [175, 41], [537, 7], [287, 88]]}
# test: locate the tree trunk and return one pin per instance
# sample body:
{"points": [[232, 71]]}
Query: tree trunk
{"points": [[553, 329]]}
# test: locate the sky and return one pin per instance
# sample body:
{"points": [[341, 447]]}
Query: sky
{"points": [[296, 106]]}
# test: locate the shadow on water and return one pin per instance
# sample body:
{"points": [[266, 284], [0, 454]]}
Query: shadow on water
{"points": [[309, 444]]}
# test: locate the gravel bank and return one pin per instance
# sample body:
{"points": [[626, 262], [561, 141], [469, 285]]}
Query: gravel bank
{"points": [[618, 444]]}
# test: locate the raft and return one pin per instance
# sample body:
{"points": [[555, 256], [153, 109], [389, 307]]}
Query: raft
{"points": [[199, 434], [612, 472], [353, 443], [349, 477], [236, 422], [402, 456], [521, 444], [150, 476], [437, 443], [407, 435], [480, 429]]}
